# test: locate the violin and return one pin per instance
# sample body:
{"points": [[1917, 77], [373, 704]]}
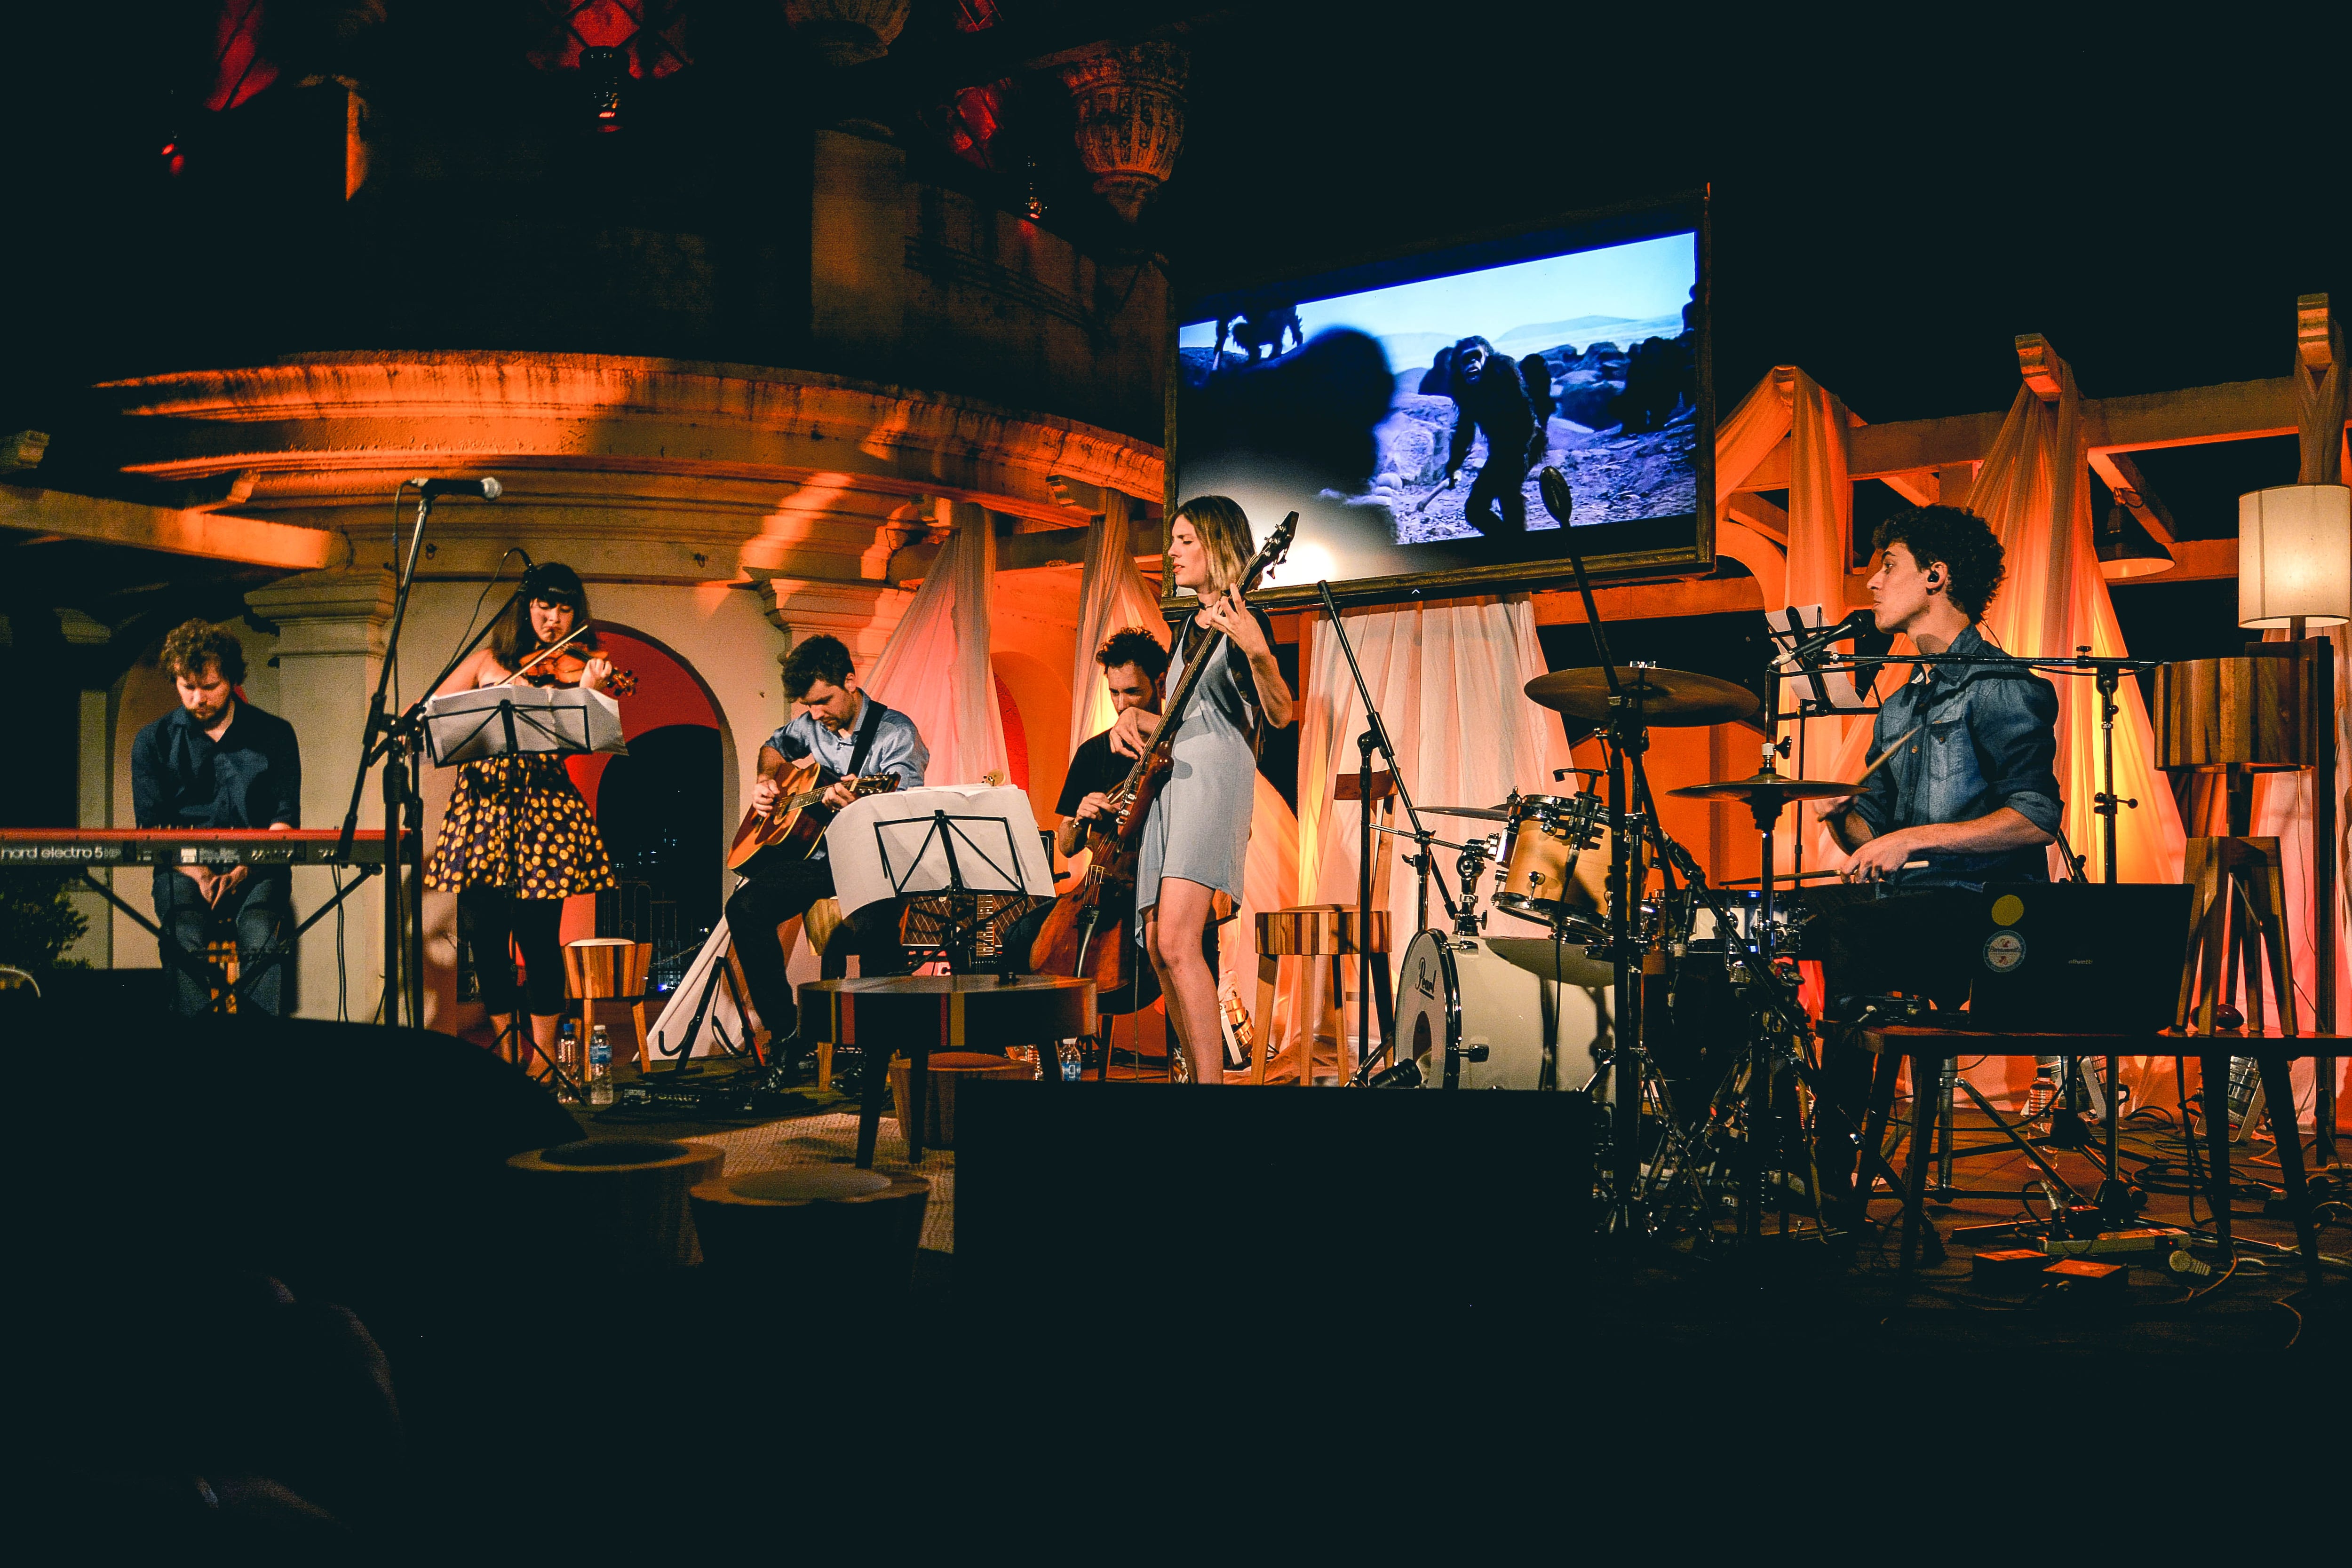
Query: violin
{"points": [[563, 664]]}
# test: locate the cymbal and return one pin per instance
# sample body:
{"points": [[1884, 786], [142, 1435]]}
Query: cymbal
{"points": [[1765, 785], [1667, 698], [1484, 813]]}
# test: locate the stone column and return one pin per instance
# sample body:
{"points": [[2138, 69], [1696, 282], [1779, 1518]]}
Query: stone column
{"points": [[332, 627]]}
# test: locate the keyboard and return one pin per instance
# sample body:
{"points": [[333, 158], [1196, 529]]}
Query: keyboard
{"points": [[100, 847]]}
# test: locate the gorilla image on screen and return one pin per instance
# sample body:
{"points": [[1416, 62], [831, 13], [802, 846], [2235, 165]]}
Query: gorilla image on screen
{"points": [[1490, 399], [1406, 421]]}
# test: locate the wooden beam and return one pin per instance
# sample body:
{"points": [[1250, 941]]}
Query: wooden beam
{"points": [[2233, 410], [1919, 486], [2311, 339], [1650, 601], [2194, 416], [1760, 515], [211, 534], [2037, 362]]}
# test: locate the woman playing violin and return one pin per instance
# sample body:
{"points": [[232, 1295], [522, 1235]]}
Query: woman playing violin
{"points": [[518, 839]]}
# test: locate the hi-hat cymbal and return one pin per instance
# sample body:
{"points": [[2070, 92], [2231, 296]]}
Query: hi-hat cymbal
{"points": [[1484, 813], [1765, 785], [1667, 698]]}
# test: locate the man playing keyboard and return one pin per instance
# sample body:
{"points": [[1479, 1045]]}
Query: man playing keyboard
{"points": [[217, 761]]}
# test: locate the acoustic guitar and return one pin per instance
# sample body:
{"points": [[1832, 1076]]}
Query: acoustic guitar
{"points": [[800, 816], [1115, 839]]}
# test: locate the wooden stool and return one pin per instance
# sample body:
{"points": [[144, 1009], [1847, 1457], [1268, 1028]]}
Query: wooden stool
{"points": [[918, 1014], [608, 968], [618, 1204], [947, 1067], [1325, 934], [829, 1228], [221, 953]]}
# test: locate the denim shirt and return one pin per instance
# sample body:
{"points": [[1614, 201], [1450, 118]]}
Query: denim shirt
{"points": [[1987, 738]]}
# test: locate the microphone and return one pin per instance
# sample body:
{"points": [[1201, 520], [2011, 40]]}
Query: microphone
{"points": [[486, 488], [1861, 623], [1557, 499]]}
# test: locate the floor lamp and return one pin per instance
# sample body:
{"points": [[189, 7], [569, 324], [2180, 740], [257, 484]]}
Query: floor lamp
{"points": [[2273, 710]]}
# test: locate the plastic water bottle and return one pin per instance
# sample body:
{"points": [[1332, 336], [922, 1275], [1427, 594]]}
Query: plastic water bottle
{"points": [[567, 1056], [600, 1067]]}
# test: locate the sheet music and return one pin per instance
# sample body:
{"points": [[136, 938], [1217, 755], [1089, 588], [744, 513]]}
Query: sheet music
{"points": [[906, 816], [1837, 684], [465, 725]]}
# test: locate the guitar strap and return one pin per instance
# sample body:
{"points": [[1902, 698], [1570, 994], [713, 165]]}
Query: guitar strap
{"points": [[867, 728]]}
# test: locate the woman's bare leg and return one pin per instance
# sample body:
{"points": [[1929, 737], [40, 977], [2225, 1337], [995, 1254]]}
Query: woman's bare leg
{"points": [[1173, 929]]}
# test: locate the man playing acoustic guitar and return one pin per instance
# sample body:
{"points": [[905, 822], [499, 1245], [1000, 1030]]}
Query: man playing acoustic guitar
{"points": [[851, 735]]}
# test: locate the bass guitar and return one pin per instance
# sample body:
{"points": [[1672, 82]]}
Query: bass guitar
{"points": [[1114, 840], [800, 816]]}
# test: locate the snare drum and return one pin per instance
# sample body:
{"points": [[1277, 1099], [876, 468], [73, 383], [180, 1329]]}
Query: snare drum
{"points": [[1474, 1018], [1545, 833]]}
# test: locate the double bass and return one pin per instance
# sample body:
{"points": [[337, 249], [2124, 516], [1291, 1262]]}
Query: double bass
{"points": [[1114, 840]]}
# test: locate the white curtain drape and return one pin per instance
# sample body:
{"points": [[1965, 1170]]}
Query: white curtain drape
{"points": [[945, 633], [1111, 595], [1447, 680]]}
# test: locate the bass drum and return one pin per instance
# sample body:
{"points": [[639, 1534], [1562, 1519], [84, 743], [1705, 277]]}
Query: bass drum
{"points": [[1477, 1006]]}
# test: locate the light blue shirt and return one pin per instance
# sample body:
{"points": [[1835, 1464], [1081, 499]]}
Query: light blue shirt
{"points": [[896, 747]]}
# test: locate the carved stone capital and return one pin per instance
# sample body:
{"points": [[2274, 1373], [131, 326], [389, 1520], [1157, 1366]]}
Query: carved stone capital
{"points": [[847, 32], [1130, 109], [862, 615]]}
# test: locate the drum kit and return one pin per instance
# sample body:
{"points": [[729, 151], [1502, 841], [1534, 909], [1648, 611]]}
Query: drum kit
{"points": [[1675, 1006]]}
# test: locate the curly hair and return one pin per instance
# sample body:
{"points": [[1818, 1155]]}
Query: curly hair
{"points": [[1963, 541], [193, 645], [1134, 645], [812, 660]]}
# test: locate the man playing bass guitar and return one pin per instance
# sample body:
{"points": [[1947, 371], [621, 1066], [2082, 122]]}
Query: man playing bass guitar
{"points": [[853, 735]]}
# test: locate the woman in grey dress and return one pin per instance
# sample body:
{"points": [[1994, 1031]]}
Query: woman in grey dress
{"points": [[1197, 834]]}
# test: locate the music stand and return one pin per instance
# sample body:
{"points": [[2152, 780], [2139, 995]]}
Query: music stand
{"points": [[497, 721], [953, 841], [500, 721]]}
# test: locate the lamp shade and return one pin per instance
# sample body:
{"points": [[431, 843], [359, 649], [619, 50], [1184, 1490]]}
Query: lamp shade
{"points": [[2294, 556], [2127, 550]]}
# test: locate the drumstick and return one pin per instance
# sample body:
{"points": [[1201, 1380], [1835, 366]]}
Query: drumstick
{"points": [[1887, 753]]}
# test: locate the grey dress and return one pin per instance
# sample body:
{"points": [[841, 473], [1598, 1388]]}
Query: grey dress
{"points": [[1198, 825]]}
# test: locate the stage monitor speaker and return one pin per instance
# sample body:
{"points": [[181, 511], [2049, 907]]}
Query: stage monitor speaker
{"points": [[1393, 1217]]}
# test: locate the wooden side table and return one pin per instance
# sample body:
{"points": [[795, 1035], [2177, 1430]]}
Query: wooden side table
{"points": [[918, 1014]]}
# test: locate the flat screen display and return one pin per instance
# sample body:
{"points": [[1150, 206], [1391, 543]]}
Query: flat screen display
{"points": [[1404, 409]]}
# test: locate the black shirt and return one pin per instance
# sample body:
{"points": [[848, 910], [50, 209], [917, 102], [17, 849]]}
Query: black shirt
{"points": [[1094, 766], [250, 778]]}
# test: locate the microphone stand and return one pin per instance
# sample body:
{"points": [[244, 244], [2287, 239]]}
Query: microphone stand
{"points": [[398, 744], [1376, 736]]}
